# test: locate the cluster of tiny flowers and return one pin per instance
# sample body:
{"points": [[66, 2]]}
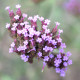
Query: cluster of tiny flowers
{"points": [[30, 43], [73, 6]]}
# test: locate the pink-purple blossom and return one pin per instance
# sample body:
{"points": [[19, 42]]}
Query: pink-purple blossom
{"points": [[10, 50], [7, 8], [65, 58], [68, 54], [16, 17], [51, 56], [7, 25], [57, 70], [65, 63], [46, 48], [39, 54], [13, 44], [39, 40], [30, 43], [46, 58], [18, 6], [69, 62], [25, 42]]}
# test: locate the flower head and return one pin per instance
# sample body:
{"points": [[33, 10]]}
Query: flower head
{"points": [[24, 15], [13, 44], [7, 8], [10, 50], [18, 6], [39, 54], [57, 23], [39, 40], [30, 43], [7, 25], [16, 17]]}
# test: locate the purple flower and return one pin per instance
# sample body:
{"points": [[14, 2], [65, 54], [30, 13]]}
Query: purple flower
{"points": [[47, 31], [45, 27], [49, 39], [20, 48], [57, 70], [27, 26], [41, 18], [59, 39], [46, 48], [57, 62], [24, 57], [37, 33], [10, 50], [57, 23], [69, 62], [62, 73], [7, 8], [26, 22], [53, 42], [65, 63], [34, 48], [50, 48], [21, 24], [34, 19], [51, 55], [31, 32], [65, 69], [39, 40], [25, 34], [47, 21], [63, 45], [30, 18], [15, 25], [58, 55], [39, 54], [65, 58], [13, 44], [24, 47], [18, 6], [46, 58], [19, 31], [25, 42], [13, 28], [16, 17], [7, 25], [43, 36], [60, 31], [61, 50], [24, 15], [68, 54]]}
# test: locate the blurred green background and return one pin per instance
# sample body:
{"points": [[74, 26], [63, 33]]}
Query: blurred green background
{"points": [[13, 68]]}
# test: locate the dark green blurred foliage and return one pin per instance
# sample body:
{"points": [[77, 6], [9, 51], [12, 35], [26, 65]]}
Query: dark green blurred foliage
{"points": [[13, 68]]}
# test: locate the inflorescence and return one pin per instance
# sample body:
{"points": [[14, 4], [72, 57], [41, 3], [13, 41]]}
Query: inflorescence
{"points": [[30, 43]]}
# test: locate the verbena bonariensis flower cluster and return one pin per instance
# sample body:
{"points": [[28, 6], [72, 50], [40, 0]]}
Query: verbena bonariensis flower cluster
{"points": [[30, 43], [73, 6]]}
